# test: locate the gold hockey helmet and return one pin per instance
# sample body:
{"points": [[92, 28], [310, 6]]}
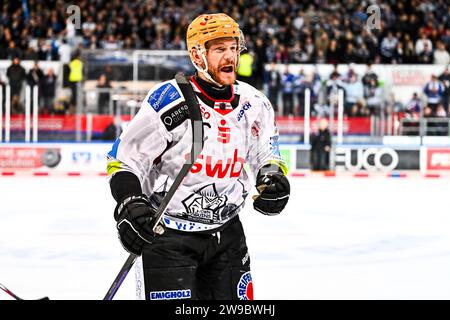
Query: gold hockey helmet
{"points": [[208, 27]]}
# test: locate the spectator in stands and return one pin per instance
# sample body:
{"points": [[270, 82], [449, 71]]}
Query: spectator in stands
{"points": [[369, 75], [307, 84], [104, 95], [273, 82], [374, 97], [271, 50], [434, 91], [299, 91], [91, 43], [315, 87], [442, 128], [426, 55], [35, 75], [245, 69], [440, 111], [445, 79], [44, 51], [177, 44], [320, 57], [413, 107], [282, 54], [354, 97], [333, 54], [259, 62], [321, 146], [298, 55], [65, 55], [34, 78], [287, 82], [333, 85], [350, 53], [346, 77], [387, 48], [16, 77], [441, 56], [409, 52], [309, 49], [399, 54], [49, 92], [13, 51], [422, 43], [362, 53], [75, 77]]}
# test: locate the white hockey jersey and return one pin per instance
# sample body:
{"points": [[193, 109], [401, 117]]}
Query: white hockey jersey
{"points": [[157, 141]]}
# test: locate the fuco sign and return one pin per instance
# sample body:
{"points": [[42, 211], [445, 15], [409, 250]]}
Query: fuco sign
{"points": [[371, 159]]}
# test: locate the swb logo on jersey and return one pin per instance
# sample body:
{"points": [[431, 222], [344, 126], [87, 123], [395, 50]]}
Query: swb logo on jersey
{"points": [[245, 287], [218, 169]]}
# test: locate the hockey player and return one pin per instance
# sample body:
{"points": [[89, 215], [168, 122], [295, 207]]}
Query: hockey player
{"points": [[202, 251]]}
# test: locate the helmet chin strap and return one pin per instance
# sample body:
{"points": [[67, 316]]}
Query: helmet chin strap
{"points": [[204, 70]]}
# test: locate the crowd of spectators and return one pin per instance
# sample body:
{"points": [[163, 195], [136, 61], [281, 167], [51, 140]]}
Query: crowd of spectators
{"points": [[363, 95], [312, 31]]}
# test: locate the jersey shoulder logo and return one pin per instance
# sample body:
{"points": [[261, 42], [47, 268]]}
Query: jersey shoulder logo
{"points": [[246, 106], [175, 116], [163, 96]]}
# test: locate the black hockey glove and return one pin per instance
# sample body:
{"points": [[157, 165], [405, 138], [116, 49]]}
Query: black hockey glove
{"points": [[274, 190], [135, 222]]}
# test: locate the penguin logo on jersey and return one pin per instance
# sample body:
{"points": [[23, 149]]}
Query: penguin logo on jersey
{"points": [[204, 205], [245, 287]]}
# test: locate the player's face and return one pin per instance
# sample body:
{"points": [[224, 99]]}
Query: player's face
{"points": [[222, 57]]}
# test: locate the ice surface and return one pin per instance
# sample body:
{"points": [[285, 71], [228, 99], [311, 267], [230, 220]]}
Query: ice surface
{"points": [[339, 238]]}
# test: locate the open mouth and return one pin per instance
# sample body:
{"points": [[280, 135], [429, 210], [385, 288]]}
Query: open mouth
{"points": [[227, 69]]}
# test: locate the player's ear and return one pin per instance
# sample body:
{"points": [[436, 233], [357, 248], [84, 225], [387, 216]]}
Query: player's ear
{"points": [[197, 58]]}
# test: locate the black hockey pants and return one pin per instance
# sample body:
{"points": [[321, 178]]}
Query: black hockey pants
{"points": [[201, 266]]}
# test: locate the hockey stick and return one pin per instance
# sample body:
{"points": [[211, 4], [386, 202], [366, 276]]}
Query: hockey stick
{"points": [[197, 147], [5, 289]]}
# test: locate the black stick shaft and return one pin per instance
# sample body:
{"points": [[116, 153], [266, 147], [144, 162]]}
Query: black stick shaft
{"points": [[120, 277]]}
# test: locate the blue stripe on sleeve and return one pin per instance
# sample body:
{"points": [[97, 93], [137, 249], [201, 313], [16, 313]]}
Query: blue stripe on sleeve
{"points": [[115, 147]]}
